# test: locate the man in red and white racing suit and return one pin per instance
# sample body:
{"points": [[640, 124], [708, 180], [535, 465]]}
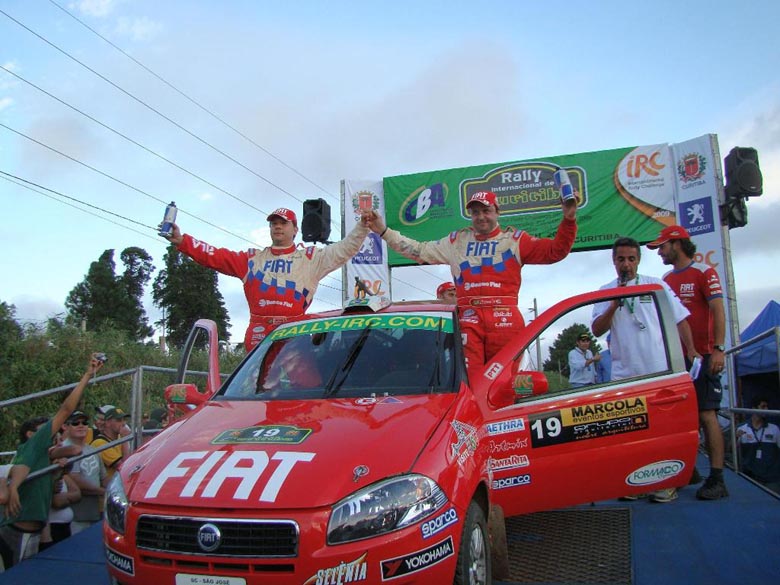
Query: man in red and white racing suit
{"points": [[486, 261], [279, 280]]}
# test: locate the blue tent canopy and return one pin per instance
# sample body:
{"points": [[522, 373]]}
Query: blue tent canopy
{"points": [[761, 357]]}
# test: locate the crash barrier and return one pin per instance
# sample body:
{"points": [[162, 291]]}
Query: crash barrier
{"points": [[134, 406], [733, 412]]}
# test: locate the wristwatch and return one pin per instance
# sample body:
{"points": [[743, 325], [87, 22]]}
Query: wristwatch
{"points": [[719, 347]]}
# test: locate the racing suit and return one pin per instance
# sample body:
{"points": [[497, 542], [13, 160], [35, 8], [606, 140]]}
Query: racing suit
{"points": [[486, 270], [278, 283]]}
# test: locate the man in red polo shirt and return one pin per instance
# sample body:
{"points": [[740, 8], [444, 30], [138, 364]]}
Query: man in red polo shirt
{"points": [[698, 287], [280, 280], [486, 261]]}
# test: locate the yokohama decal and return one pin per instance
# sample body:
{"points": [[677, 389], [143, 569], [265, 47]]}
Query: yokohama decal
{"points": [[417, 561]]}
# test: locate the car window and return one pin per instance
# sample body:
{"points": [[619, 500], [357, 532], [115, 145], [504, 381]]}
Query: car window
{"points": [[636, 346], [351, 356]]}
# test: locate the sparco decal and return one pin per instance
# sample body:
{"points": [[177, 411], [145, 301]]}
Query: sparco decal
{"points": [[120, 562], [417, 561], [439, 523], [350, 572], [211, 473], [509, 482], [655, 472]]}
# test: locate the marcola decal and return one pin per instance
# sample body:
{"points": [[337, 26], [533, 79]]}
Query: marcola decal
{"points": [[230, 468]]}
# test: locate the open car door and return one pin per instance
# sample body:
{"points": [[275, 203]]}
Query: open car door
{"points": [[552, 445]]}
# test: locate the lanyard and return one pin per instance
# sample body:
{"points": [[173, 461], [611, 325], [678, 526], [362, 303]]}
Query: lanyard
{"points": [[630, 302], [755, 436]]}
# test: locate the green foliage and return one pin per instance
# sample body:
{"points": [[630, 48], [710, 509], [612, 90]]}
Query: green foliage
{"points": [[187, 291], [564, 343], [105, 300]]}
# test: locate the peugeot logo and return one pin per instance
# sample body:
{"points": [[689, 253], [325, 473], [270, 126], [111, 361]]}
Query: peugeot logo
{"points": [[209, 537]]}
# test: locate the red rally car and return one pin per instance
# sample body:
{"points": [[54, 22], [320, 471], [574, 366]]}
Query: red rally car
{"points": [[350, 447]]}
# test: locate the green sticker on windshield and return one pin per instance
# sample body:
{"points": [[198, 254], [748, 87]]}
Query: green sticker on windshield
{"points": [[263, 434], [356, 322]]}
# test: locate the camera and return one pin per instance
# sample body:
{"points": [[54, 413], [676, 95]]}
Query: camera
{"points": [[101, 357]]}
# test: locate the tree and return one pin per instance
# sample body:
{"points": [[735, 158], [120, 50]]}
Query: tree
{"points": [[10, 330], [104, 299], [564, 343], [186, 292]]}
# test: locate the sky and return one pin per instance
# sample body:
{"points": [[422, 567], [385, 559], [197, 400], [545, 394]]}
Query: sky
{"points": [[233, 109]]}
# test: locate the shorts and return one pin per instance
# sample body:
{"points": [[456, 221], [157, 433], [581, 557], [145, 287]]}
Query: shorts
{"points": [[709, 390]]}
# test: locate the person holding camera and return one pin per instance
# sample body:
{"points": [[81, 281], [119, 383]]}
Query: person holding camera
{"points": [[27, 509]]}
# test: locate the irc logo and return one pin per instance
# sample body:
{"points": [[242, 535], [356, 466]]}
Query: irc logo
{"points": [[417, 206], [641, 163]]}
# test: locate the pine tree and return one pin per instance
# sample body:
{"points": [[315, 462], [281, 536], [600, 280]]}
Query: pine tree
{"points": [[186, 292], [104, 299]]}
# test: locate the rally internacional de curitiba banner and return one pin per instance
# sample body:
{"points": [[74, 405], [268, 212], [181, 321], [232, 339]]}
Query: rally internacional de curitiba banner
{"points": [[633, 191]]}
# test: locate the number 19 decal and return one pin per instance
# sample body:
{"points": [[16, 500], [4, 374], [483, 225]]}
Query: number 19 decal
{"points": [[547, 429]]}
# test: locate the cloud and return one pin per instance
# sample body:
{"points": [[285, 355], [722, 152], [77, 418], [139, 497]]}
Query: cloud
{"points": [[69, 135], [138, 29], [95, 8], [6, 103]]}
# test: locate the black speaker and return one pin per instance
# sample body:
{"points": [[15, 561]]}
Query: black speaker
{"points": [[743, 175], [315, 225]]}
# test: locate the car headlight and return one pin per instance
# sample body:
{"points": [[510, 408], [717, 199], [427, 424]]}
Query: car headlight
{"points": [[389, 505], [116, 504]]}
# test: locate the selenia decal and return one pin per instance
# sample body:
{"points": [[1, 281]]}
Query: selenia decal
{"points": [[350, 572], [589, 421]]}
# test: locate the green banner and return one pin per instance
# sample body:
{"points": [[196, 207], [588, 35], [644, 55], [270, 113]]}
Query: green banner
{"points": [[625, 191], [430, 321]]}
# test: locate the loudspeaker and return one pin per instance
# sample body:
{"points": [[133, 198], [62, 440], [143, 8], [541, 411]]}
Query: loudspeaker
{"points": [[743, 175], [315, 225]]}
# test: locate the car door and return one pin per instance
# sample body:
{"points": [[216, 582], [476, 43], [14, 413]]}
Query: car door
{"points": [[564, 445]]}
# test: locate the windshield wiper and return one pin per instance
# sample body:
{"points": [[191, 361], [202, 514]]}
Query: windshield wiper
{"points": [[434, 381], [340, 374]]}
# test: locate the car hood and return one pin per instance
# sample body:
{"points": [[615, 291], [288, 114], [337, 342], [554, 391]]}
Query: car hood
{"points": [[282, 454]]}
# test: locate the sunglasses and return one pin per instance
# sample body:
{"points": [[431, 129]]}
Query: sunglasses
{"points": [[79, 423]]}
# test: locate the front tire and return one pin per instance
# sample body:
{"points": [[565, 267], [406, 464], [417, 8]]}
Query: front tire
{"points": [[473, 566]]}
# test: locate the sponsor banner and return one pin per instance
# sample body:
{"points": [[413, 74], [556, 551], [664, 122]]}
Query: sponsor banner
{"points": [[366, 273], [417, 561], [621, 191], [699, 194], [589, 421], [429, 321]]}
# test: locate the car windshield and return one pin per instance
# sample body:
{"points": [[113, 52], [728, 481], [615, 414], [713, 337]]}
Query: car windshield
{"points": [[351, 355]]}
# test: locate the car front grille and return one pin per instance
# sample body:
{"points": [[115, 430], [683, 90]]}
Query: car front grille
{"points": [[239, 538]]}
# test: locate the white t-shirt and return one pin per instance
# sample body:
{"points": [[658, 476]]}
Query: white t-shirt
{"points": [[636, 341]]}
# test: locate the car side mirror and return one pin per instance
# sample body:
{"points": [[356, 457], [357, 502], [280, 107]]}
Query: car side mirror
{"points": [[522, 384], [182, 398]]}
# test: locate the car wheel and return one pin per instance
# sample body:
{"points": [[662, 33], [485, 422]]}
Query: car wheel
{"points": [[473, 566]]}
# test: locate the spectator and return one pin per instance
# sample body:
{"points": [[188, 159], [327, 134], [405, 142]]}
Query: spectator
{"points": [[27, 510], [759, 448], [582, 369], [604, 367], [280, 280], [66, 494], [115, 427], [446, 292], [698, 287], [636, 340], [99, 421], [486, 261], [158, 419], [88, 473]]}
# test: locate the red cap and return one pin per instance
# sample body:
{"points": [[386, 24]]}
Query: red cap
{"points": [[672, 232], [443, 287], [483, 198], [285, 214]]}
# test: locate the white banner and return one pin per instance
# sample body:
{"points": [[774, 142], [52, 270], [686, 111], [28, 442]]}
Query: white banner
{"points": [[367, 272]]}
